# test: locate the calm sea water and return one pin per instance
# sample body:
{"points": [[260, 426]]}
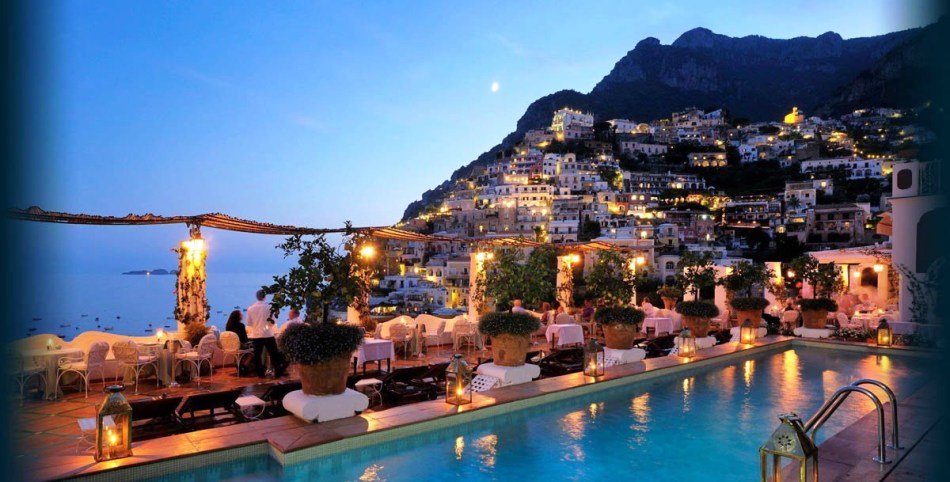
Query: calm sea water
{"points": [[704, 424], [68, 304]]}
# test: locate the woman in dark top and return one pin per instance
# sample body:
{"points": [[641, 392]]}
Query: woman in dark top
{"points": [[235, 325]]}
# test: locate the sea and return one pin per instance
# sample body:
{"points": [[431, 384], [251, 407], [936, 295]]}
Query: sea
{"points": [[135, 305]]}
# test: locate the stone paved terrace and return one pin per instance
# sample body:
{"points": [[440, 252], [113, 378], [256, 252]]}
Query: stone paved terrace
{"points": [[45, 441]]}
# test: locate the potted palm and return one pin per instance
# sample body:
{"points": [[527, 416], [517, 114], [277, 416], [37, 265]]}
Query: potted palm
{"points": [[739, 284], [825, 280], [696, 315], [324, 275], [510, 335], [621, 325]]}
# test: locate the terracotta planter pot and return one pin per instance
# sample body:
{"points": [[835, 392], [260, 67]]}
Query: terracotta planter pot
{"points": [[509, 350], [327, 378], [698, 326], [669, 303], [754, 316], [620, 336], [815, 318]]}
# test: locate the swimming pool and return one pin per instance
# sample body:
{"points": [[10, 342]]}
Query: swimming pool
{"points": [[708, 420]]}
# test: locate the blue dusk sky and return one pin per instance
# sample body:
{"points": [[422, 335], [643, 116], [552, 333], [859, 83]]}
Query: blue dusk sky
{"points": [[315, 113]]}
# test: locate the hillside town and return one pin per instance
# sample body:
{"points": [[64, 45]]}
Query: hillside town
{"points": [[698, 181]]}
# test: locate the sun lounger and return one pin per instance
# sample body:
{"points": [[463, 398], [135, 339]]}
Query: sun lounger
{"points": [[155, 417], [403, 385], [190, 412]]}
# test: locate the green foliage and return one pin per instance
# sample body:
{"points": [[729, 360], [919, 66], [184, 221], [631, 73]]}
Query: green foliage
{"points": [[745, 276], [858, 334], [611, 175], [194, 331], [499, 322], [923, 290], [310, 343], [611, 279], [696, 271], [701, 309], [588, 231], [623, 315], [509, 277], [323, 275], [749, 304], [817, 304], [825, 279], [670, 292]]}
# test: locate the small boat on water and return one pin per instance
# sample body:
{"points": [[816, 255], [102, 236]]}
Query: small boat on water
{"points": [[148, 330], [168, 326], [33, 329], [65, 325], [83, 316], [107, 328]]}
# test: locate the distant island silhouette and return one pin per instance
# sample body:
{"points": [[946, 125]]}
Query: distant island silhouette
{"points": [[151, 272]]}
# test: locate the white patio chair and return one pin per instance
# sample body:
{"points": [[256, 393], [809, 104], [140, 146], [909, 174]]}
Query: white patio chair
{"points": [[400, 334], [195, 358], [22, 369], [82, 366], [231, 346], [790, 319], [435, 335], [127, 355], [464, 332]]}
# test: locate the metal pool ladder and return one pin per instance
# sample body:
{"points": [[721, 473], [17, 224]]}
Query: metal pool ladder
{"points": [[821, 416]]}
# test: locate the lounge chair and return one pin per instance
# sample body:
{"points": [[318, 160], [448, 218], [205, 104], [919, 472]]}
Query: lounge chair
{"points": [[402, 385], [562, 362], [434, 376], [274, 396], [660, 346], [209, 402], [155, 417]]}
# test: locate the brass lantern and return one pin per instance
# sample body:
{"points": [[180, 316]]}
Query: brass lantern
{"points": [[594, 360], [114, 426], [687, 344], [747, 332], [885, 335], [458, 376], [789, 440]]}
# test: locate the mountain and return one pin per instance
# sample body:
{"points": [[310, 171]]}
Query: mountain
{"points": [[752, 77]]}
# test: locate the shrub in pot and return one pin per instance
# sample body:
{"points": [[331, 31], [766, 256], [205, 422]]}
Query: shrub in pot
{"points": [[510, 335], [621, 325], [696, 315], [749, 308], [825, 280], [323, 352], [815, 311], [669, 294]]}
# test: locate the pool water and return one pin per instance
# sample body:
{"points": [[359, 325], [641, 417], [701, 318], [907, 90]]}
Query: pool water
{"points": [[702, 424]]}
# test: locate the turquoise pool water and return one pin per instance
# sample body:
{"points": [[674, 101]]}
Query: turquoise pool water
{"points": [[703, 424]]}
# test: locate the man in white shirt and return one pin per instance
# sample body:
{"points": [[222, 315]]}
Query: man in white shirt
{"points": [[260, 330], [293, 317]]}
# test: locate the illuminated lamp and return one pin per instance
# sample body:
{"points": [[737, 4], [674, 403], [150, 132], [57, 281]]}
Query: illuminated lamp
{"points": [[113, 426], [458, 376], [885, 335], [594, 360]]}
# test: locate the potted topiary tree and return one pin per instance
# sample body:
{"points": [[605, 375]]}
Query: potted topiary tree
{"points": [[825, 280], [323, 275], [621, 325], [510, 335], [739, 283], [696, 315], [669, 295]]}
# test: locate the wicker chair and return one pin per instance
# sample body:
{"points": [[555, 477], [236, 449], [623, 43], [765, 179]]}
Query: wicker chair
{"points": [[127, 355], [94, 360]]}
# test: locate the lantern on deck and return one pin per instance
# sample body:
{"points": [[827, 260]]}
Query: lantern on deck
{"points": [[114, 426], [747, 332], [687, 344], [885, 334], [458, 376], [594, 361], [789, 441]]}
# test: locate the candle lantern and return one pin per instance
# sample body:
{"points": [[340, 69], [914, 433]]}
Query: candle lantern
{"points": [[747, 332], [114, 426], [885, 335], [789, 441], [687, 344], [594, 361], [458, 376]]}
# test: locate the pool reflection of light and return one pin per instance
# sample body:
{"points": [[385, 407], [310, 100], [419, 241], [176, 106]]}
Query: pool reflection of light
{"points": [[459, 447], [371, 474], [594, 409], [488, 446], [687, 388], [640, 408], [573, 425], [789, 372], [748, 369]]}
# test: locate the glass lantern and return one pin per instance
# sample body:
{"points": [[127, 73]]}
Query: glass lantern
{"points": [[114, 426], [885, 335], [594, 360], [789, 441], [747, 332], [687, 344], [458, 376]]}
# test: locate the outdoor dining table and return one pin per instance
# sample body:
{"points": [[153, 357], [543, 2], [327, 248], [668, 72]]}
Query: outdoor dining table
{"points": [[166, 359], [373, 349], [870, 320], [50, 360], [564, 334], [658, 323]]}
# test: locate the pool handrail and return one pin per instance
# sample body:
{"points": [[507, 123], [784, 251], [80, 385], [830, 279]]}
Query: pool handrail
{"points": [[821, 416]]}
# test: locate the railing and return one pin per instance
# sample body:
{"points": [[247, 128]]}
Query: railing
{"points": [[831, 405]]}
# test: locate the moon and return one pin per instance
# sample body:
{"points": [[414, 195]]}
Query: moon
{"points": [[495, 86]]}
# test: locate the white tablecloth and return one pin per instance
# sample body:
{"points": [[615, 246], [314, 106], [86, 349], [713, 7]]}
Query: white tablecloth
{"points": [[658, 323], [566, 334], [372, 350]]}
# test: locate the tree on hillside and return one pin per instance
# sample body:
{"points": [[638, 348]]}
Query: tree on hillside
{"points": [[589, 230]]}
